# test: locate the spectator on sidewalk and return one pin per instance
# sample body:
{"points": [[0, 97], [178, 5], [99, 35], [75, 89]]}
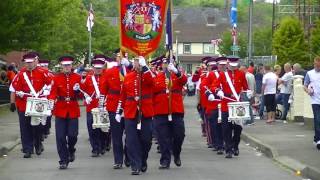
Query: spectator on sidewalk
{"points": [[258, 78], [252, 86], [11, 73], [3, 76], [251, 68], [285, 90], [312, 87], [297, 70], [269, 85]]}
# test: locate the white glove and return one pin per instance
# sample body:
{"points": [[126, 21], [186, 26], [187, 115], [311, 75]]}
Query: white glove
{"points": [[125, 62], [20, 94], [118, 118], [76, 87], [88, 99], [211, 97], [46, 92], [220, 94], [142, 61], [172, 68], [50, 104], [249, 94]]}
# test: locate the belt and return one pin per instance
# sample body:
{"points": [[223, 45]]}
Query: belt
{"points": [[114, 92], [61, 98], [132, 98], [165, 92]]}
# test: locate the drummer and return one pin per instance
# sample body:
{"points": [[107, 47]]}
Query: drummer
{"points": [[29, 82], [94, 99], [231, 83]]}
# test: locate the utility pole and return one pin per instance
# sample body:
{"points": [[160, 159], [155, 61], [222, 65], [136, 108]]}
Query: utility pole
{"points": [[250, 32]]}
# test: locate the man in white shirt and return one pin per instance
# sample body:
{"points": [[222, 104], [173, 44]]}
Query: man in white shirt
{"points": [[252, 86], [269, 88], [312, 87], [286, 89]]}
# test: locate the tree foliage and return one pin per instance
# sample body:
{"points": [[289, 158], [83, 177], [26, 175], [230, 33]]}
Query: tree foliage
{"points": [[225, 46], [289, 43], [262, 43], [53, 28], [315, 39]]}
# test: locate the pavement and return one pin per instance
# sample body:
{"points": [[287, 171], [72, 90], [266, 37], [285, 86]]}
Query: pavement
{"points": [[9, 130], [198, 162], [289, 144]]}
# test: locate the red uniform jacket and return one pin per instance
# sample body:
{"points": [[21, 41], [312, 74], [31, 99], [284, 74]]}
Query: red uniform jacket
{"points": [[62, 91], [161, 94], [210, 80], [38, 78], [110, 86], [130, 90], [203, 96], [239, 82], [88, 87]]}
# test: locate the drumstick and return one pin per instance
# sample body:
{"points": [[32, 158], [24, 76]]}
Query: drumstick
{"points": [[229, 99]]}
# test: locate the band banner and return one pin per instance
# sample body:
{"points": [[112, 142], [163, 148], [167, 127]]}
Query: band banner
{"points": [[141, 25]]}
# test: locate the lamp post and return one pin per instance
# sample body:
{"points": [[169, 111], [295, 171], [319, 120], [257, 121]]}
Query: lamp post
{"points": [[177, 47]]}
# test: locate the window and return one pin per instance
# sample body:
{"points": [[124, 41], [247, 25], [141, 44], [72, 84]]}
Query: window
{"points": [[208, 48], [189, 68], [187, 48]]}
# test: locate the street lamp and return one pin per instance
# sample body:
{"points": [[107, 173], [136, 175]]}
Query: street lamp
{"points": [[177, 47]]}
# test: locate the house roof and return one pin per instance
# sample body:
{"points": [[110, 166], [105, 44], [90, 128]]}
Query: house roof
{"points": [[199, 24], [193, 58]]}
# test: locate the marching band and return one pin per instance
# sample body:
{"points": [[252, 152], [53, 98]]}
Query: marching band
{"points": [[128, 105]]}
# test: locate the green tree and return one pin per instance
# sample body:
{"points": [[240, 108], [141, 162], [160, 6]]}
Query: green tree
{"points": [[262, 45], [225, 46], [289, 43], [315, 39]]}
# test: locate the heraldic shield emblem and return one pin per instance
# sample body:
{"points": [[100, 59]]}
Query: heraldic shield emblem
{"points": [[142, 24], [142, 21]]}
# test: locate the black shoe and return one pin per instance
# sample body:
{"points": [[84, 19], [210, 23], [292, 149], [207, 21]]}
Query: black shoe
{"points": [[27, 155], [229, 155], [210, 146], [39, 149], [220, 152], [164, 166], [318, 146], [177, 161], [108, 148], [236, 152], [144, 167], [103, 151], [135, 172], [72, 157], [117, 166], [63, 166], [95, 154], [214, 149], [126, 162]]}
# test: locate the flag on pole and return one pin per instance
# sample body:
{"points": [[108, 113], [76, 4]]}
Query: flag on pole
{"points": [[169, 28], [90, 19], [233, 14]]}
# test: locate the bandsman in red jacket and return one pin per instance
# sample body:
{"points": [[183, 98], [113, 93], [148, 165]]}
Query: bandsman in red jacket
{"points": [[44, 63], [30, 82], [169, 113], [110, 86], [94, 99], [63, 101], [231, 132], [136, 104], [212, 111]]}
